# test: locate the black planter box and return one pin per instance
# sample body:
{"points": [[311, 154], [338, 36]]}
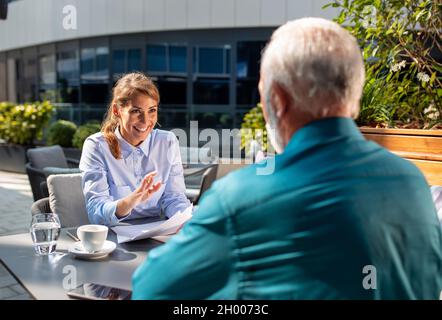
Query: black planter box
{"points": [[13, 157]]}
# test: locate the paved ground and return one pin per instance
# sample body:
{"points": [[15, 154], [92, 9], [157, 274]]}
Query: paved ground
{"points": [[16, 200]]}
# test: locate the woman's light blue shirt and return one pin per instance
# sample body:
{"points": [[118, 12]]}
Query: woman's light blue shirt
{"points": [[106, 180]]}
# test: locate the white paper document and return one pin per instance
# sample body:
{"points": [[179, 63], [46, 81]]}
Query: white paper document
{"points": [[158, 229]]}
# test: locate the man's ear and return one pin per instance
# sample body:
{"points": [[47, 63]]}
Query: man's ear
{"points": [[280, 100]]}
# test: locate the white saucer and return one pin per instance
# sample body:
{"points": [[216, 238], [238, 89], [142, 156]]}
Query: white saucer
{"points": [[78, 251]]}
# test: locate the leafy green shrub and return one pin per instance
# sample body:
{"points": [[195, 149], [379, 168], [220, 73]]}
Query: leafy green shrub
{"points": [[61, 132], [21, 124], [5, 107], [83, 132], [400, 41], [253, 128]]}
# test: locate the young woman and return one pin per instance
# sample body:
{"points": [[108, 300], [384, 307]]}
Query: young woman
{"points": [[131, 170]]}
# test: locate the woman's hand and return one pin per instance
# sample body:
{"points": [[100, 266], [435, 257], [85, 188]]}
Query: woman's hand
{"points": [[146, 189], [141, 194]]}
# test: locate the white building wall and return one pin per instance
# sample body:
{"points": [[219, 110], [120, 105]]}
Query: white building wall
{"points": [[33, 22]]}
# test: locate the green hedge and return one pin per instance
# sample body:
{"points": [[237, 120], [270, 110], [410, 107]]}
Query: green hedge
{"points": [[61, 132], [83, 132]]}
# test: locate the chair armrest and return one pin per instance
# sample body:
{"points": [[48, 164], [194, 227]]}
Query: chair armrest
{"points": [[54, 170], [73, 163], [34, 171], [197, 171], [41, 206]]}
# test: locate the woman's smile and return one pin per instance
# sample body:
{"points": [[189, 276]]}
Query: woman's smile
{"points": [[138, 118]]}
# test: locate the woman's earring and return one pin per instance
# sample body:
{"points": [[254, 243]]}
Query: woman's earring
{"points": [[157, 124]]}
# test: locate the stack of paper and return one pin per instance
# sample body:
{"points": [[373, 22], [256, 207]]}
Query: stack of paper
{"points": [[159, 230]]}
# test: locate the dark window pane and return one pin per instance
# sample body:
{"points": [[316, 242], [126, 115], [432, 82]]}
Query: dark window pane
{"points": [[178, 59], [18, 64], [227, 52], [47, 70], [91, 113], [30, 67], [211, 60], [247, 72], [248, 57], [47, 77], [247, 92], [211, 91], [66, 93], [239, 116], [67, 65], [95, 65], [64, 113], [173, 91], [102, 59], [118, 61], [102, 64], [156, 58], [87, 61], [30, 79], [194, 60], [134, 60], [170, 119], [68, 76], [94, 93], [213, 120], [3, 92]]}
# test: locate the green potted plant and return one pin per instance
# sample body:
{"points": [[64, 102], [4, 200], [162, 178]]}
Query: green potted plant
{"points": [[20, 126], [253, 132], [401, 106], [83, 132], [61, 132]]}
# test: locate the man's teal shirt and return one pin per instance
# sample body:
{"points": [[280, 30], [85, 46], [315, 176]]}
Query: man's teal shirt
{"points": [[339, 218]]}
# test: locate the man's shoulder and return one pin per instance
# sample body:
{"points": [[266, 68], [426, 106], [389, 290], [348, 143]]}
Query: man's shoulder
{"points": [[398, 164], [241, 186]]}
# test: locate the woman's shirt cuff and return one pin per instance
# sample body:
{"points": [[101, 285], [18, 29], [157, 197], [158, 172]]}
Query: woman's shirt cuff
{"points": [[110, 210]]}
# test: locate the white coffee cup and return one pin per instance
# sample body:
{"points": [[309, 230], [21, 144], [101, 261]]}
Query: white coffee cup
{"points": [[92, 236]]}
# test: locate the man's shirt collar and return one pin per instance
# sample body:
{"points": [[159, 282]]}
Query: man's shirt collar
{"points": [[322, 131]]}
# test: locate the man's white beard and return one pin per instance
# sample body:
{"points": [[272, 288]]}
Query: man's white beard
{"points": [[271, 125], [274, 138]]}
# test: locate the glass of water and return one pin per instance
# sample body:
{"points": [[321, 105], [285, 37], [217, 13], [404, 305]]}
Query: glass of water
{"points": [[45, 230]]}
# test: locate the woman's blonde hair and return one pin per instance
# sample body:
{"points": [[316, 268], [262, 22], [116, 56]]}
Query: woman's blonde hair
{"points": [[124, 90]]}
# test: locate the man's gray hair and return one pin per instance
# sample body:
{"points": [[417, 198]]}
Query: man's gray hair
{"points": [[318, 63]]}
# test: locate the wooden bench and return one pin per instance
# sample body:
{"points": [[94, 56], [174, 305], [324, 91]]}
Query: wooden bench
{"points": [[422, 147]]}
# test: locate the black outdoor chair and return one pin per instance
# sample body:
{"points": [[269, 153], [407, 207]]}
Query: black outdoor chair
{"points": [[199, 181], [209, 176], [209, 173], [43, 162]]}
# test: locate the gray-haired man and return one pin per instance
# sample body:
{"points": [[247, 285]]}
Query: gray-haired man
{"points": [[339, 218]]}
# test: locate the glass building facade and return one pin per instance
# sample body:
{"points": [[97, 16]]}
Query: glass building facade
{"points": [[205, 75]]}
